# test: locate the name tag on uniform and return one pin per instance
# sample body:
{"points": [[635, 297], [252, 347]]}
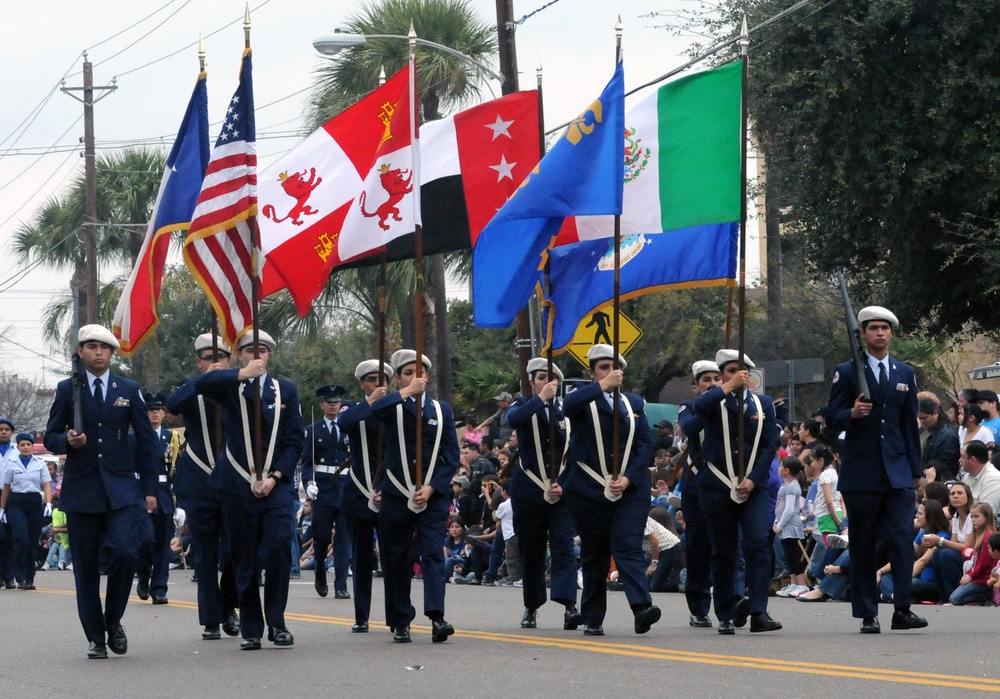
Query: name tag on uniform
{"points": [[121, 403], [904, 387]]}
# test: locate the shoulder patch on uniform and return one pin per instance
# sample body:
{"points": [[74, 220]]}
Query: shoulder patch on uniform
{"points": [[681, 409], [836, 376]]}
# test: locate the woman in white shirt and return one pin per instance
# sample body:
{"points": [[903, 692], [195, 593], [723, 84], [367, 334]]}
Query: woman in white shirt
{"points": [[971, 429], [25, 479]]}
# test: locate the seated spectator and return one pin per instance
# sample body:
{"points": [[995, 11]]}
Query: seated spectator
{"points": [[973, 588], [990, 405], [982, 477], [461, 501], [660, 545], [994, 581], [930, 519], [936, 490], [835, 583], [940, 453], [947, 557], [471, 434], [972, 429], [456, 550]]}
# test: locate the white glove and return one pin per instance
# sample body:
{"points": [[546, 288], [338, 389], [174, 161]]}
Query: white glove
{"points": [[312, 490], [3, 516], [48, 510]]}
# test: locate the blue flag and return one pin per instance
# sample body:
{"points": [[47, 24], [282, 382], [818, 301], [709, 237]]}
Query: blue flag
{"points": [[583, 174], [582, 274]]}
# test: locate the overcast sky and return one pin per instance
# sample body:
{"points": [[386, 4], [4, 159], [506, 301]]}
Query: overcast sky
{"points": [[573, 39]]}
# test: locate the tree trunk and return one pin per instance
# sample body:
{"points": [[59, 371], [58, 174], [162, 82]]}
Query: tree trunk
{"points": [[443, 360], [772, 223]]}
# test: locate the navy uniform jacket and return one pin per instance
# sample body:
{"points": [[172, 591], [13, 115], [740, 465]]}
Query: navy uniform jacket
{"points": [[358, 423], [226, 388], [691, 425], [100, 476], [583, 441], [884, 442], [447, 464], [190, 479], [164, 496], [325, 450], [713, 445], [520, 415]]}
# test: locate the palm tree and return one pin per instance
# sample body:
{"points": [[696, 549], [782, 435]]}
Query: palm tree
{"points": [[445, 82]]}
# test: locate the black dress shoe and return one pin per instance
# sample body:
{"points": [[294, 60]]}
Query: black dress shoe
{"points": [[142, 589], [646, 617], [870, 625], [905, 619], [31, 586], [401, 634], [440, 630], [593, 630], [231, 626], [97, 651], [10, 584], [572, 618], [726, 628], [699, 621], [742, 613], [280, 636], [530, 619], [342, 594], [321, 588], [360, 627], [211, 633], [763, 622], [250, 644], [160, 599], [117, 640]]}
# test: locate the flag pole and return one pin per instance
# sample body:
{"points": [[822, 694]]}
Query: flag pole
{"points": [[616, 301], [418, 263], [383, 302], [254, 298], [741, 333]]}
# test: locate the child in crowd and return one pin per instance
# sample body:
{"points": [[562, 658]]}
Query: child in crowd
{"points": [[505, 516], [59, 557], [456, 550], [973, 587], [788, 525], [994, 582]]}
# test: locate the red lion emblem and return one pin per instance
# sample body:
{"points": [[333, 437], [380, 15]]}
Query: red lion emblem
{"points": [[299, 189], [397, 187]]}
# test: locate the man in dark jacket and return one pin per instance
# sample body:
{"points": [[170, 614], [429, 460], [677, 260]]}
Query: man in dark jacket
{"points": [[941, 448]]}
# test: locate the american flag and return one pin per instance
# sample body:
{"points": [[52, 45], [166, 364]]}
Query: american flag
{"points": [[220, 244]]}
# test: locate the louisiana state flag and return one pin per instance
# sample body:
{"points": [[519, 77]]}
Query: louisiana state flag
{"points": [[583, 174]]}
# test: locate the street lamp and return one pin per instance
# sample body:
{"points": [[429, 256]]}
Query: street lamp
{"points": [[332, 44]]}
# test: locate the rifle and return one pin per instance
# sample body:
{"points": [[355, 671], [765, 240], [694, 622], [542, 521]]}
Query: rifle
{"points": [[77, 393], [854, 336]]}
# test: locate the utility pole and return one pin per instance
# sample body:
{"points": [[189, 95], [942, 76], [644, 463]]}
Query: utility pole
{"points": [[508, 68], [90, 315]]}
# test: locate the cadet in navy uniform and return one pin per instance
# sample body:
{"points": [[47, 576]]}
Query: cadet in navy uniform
{"points": [[258, 512], [733, 507], [406, 506], [610, 514], [324, 454], [202, 504], [25, 478], [6, 541], [540, 513], [880, 467], [697, 544], [359, 499], [101, 494], [154, 552]]}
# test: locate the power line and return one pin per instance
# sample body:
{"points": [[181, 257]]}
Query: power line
{"points": [[171, 16], [40, 187]]}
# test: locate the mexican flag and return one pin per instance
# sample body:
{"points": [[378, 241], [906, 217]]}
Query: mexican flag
{"points": [[682, 159]]}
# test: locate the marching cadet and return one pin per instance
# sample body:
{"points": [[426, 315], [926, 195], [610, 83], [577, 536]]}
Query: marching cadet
{"points": [[325, 477], [879, 469], [154, 551], [610, 513], [541, 515], [732, 506], [410, 504], [258, 512], [101, 496], [359, 499], [202, 504], [7, 450], [697, 545]]}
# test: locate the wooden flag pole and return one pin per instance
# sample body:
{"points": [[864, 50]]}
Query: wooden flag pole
{"points": [[383, 307], [741, 342], [616, 303], [418, 262]]}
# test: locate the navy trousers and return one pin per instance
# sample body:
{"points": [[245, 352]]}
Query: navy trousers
{"points": [[606, 530], [24, 514], [154, 552], [114, 532], [397, 524], [730, 525], [698, 555], [210, 553], [260, 535], [887, 515], [534, 526], [363, 543], [324, 517], [6, 553]]}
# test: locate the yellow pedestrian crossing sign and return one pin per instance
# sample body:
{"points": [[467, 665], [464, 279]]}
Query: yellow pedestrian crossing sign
{"points": [[598, 327]]}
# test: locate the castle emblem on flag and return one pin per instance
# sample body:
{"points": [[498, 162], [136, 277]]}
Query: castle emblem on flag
{"points": [[299, 189], [325, 245], [394, 183], [388, 109]]}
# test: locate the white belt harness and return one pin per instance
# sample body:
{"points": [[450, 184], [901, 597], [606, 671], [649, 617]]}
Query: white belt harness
{"points": [[731, 479], [250, 475], [409, 489], [604, 477], [545, 482], [210, 458], [367, 488]]}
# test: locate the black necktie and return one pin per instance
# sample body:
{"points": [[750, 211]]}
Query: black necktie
{"points": [[883, 379], [248, 389], [98, 393]]}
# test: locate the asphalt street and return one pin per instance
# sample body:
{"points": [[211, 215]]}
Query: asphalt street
{"points": [[819, 653]]}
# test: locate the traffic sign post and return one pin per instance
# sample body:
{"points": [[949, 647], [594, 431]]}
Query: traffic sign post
{"points": [[596, 328]]}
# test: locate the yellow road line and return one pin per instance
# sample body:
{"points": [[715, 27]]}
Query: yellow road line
{"points": [[665, 654]]}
